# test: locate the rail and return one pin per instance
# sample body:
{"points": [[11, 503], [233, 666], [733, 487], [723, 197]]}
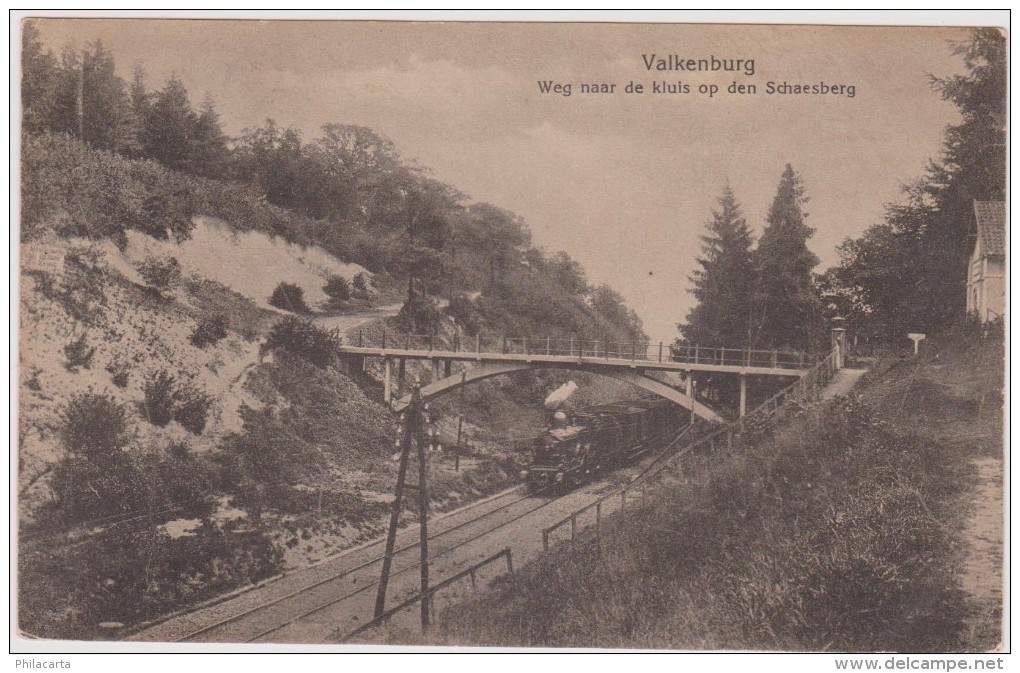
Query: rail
{"points": [[644, 351], [804, 387], [471, 572]]}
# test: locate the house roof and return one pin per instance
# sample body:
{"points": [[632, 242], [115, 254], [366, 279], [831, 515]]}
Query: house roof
{"points": [[991, 227]]}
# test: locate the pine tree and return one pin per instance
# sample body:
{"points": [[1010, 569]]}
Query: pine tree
{"points": [[39, 77], [170, 126], [785, 303], [140, 100], [106, 116], [209, 152], [65, 111], [724, 285]]}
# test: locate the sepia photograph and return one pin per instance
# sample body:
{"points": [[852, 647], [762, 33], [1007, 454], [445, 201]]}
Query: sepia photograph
{"points": [[542, 335]]}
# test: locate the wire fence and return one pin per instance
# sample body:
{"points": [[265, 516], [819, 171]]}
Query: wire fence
{"points": [[590, 516], [471, 573]]}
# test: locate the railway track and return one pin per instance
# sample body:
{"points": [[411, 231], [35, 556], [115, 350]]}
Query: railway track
{"points": [[354, 581], [340, 592]]}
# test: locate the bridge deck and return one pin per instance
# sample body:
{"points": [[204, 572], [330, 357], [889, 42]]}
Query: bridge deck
{"points": [[741, 362]]}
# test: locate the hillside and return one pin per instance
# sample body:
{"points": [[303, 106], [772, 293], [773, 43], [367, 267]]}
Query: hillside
{"points": [[865, 523], [168, 402]]}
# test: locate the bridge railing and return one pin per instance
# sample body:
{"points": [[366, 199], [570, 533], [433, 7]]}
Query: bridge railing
{"points": [[646, 351], [673, 455]]}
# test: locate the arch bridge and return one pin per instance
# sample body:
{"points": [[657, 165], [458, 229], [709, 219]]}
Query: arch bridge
{"points": [[632, 362]]}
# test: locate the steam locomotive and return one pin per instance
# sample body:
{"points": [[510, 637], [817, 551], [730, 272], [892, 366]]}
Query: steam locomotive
{"points": [[579, 446]]}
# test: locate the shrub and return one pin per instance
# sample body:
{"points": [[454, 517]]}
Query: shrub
{"points": [[32, 379], [304, 339], [93, 423], [65, 592], [210, 330], [289, 297], [81, 191], [160, 397], [192, 408], [120, 372], [167, 400], [337, 289], [79, 353], [179, 450], [96, 478], [360, 285], [81, 287], [168, 211], [161, 274]]}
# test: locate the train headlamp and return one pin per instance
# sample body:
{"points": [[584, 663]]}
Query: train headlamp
{"points": [[524, 474]]}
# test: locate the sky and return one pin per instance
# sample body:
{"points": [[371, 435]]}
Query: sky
{"points": [[623, 182]]}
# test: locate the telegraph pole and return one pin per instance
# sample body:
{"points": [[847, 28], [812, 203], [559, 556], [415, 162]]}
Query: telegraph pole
{"points": [[413, 431]]}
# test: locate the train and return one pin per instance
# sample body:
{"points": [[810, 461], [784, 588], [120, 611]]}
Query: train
{"points": [[579, 446]]}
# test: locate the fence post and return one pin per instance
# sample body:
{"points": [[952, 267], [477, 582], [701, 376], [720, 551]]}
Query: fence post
{"points": [[359, 338], [478, 342], [573, 528], [623, 501], [526, 352], [660, 351], [384, 338], [598, 522], [509, 562], [474, 582], [545, 539], [695, 354], [548, 345]]}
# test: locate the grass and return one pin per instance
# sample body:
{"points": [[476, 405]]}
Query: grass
{"points": [[842, 531]]}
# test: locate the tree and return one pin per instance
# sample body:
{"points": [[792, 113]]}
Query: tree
{"points": [[724, 285], [65, 111], [170, 126], [568, 273], [272, 159], [107, 119], [498, 234], [358, 165], [785, 306], [141, 103], [209, 153], [427, 212], [39, 80], [611, 306], [909, 272]]}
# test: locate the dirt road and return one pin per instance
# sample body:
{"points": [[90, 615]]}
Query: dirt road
{"points": [[842, 383], [982, 570], [348, 323]]}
